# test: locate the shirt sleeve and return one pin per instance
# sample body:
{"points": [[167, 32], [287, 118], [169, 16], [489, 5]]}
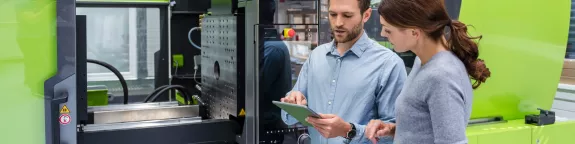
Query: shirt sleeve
{"points": [[300, 85], [391, 83], [446, 105]]}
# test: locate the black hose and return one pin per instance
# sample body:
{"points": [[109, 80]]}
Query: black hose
{"points": [[117, 73], [182, 89], [154, 92]]}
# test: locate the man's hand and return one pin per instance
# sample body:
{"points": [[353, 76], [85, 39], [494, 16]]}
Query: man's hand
{"points": [[329, 125], [377, 128], [295, 97]]}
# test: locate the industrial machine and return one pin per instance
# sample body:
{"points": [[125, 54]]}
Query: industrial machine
{"points": [[183, 71]]}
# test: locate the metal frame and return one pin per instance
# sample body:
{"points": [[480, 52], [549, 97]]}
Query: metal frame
{"points": [[61, 89], [250, 131]]}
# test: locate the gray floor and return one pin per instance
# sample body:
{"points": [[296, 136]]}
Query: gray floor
{"points": [[564, 103]]}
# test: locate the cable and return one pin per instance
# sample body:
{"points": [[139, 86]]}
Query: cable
{"points": [[195, 77], [190, 37], [117, 73], [154, 92], [186, 94], [176, 70], [182, 89]]}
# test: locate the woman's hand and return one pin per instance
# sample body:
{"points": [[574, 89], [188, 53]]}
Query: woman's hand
{"points": [[377, 128]]}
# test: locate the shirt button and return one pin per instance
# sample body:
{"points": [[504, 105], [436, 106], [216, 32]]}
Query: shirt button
{"points": [[329, 102], [338, 59], [332, 80]]}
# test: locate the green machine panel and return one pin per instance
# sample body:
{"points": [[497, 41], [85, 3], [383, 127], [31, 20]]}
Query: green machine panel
{"points": [[559, 133], [523, 45], [511, 132], [27, 59], [517, 132]]}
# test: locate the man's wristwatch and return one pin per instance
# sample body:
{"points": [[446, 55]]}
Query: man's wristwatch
{"points": [[351, 133]]}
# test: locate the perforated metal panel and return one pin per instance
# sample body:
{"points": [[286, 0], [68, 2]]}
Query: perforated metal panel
{"points": [[219, 66]]}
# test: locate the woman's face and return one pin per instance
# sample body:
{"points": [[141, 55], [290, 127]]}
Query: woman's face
{"points": [[402, 39]]}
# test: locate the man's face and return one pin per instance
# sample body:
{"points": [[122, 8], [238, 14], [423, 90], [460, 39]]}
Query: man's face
{"points": [[346, 19]]}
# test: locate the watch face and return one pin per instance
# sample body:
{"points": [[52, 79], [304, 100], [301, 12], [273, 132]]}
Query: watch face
{"points": [[351, 134]]}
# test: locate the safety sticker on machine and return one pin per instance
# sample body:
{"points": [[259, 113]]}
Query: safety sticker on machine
{"points": [[242, 113], [65, 119], [64, 110]]}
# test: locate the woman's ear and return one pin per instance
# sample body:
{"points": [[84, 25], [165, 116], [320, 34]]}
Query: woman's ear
{"points": [[415, 33]]}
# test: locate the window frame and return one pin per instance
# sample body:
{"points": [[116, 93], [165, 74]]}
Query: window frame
{"points": [[132, 74]]}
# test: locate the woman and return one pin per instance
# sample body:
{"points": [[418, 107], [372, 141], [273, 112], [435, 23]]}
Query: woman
{"points": [[435, 104]]}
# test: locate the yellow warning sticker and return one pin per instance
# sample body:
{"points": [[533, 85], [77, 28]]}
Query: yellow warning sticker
{"points": [[242, 113], [64, 110]]}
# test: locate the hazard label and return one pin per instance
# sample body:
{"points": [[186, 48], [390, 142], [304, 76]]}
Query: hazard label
{"points": [[64, 110], [242, 113], [65, 119]]}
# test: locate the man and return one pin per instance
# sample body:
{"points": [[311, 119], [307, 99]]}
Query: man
{"points": [[276, 74], [349, 81]]}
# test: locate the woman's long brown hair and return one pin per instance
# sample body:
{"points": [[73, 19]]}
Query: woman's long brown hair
{"points": [[431, 17]]}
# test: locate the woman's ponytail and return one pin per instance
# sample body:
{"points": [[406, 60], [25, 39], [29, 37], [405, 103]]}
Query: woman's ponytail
{"points": [[462, 45]]}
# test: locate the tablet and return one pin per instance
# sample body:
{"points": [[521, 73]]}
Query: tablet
{"points": [[299, 112]]}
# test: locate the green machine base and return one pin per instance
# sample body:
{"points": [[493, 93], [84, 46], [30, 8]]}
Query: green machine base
{"points": [[517, 132]]}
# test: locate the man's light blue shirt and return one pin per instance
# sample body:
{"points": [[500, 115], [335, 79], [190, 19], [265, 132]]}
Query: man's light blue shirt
{"points": [[359, 86]]}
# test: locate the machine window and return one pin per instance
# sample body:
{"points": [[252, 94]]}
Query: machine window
{"points": [[125, 38]]}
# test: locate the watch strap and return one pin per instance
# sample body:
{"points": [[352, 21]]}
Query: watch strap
{"points": [[353, 129]]}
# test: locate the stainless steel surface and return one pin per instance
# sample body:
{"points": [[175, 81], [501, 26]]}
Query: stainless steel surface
{"points": [[145, 114], [132, 106], [219, 65], [142, 124]]}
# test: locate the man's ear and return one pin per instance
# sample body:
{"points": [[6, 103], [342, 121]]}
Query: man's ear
{"points": [[367, 15]]}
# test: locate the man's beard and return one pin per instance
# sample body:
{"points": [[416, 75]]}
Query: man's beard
{"points": [[354, 33]]}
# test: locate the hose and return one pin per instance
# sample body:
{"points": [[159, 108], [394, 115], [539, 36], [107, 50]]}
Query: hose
{"points": [[154, 95], [117, 73], [190, 37], [180, 88], [154, 92]]}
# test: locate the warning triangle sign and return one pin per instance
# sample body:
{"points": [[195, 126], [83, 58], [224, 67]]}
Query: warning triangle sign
{"points": [[64, 110], [242, 113]]}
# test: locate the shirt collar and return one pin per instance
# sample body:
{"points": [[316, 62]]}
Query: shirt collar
{"points": [[358, 48]]}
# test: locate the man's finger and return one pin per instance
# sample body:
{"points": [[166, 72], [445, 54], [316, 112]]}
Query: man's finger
{"points": [[383, 132], [373, 140], [369, 129], [321, 128], [299, 99], [316, 121], [304, 102], [323, 133], [291, 99], [327, 116]]}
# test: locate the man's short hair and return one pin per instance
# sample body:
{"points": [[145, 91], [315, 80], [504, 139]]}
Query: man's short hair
{"points": [[267, 11], [363, 5]]}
